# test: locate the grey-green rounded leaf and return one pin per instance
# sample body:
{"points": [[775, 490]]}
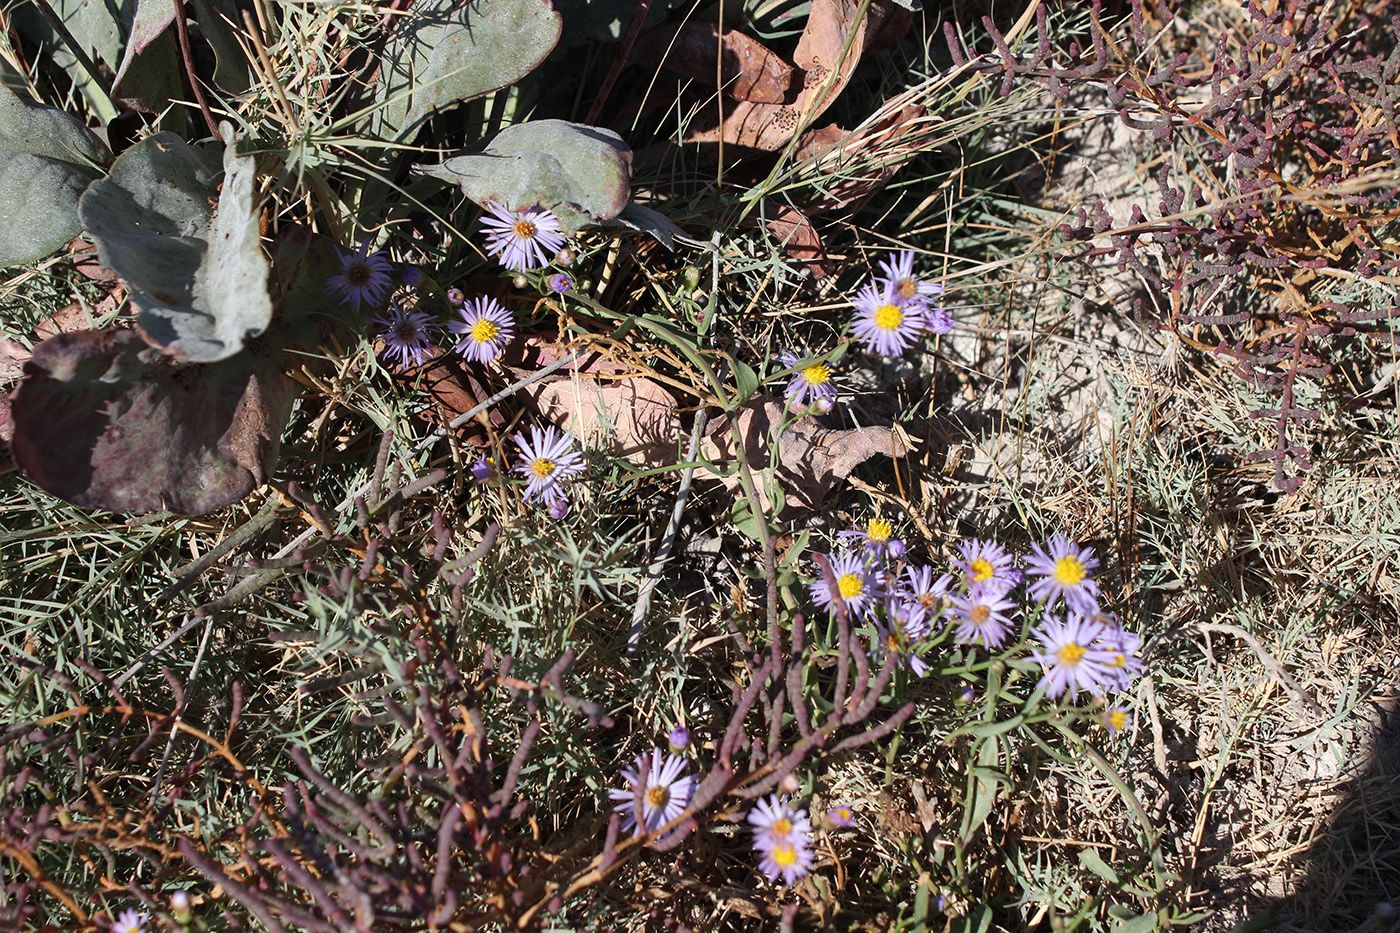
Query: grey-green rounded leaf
{"points": [[197, 273], [581, 173], [47, 159], [443, 52]]}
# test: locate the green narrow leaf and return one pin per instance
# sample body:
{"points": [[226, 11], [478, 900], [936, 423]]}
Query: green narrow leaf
{"points": [[1147, 923], [1091, 860], [745, 380], [47, 159]]}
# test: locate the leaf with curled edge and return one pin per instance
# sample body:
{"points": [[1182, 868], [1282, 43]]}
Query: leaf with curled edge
{"points": [[444, 52], [105, 422], [197, 274], [812, 459], [581, 173], [825, 63]]}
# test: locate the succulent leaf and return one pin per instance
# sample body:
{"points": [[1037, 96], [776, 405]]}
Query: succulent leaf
{"points": [[105, 422], [445, 52], [197, 274], [47, 158], [581, 173]]}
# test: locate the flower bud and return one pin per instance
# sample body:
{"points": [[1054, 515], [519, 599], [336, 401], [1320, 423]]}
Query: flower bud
{"points": [[180, 906]]}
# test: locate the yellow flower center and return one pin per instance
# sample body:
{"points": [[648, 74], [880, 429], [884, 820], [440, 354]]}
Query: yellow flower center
{"points": [[542, 467], [842, 813], [879, 530], [927, 600], [850, 585], [484, 331], [888, 317], [892, 641], [658, 795], [1071, 654], [982, 570], [907, 288], [1069, 571], [524, 229], [979, 614], [816, 375], [1116, 719], [1120, 660], [784, 855], [781, 827]]}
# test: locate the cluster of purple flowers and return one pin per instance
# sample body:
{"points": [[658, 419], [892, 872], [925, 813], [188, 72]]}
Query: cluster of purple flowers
{"points": [[1084, 650], [895, 309], [658, 788], [522, 240], [782, 836], [484, 328]]}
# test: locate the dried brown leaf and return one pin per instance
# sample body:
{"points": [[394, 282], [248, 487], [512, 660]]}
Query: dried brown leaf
{"points": [[632, 418], [748, 70], [811, 459], [819, 53], [800, 239]]}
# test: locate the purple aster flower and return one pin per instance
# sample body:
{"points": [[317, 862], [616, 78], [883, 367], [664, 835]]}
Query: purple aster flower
{"points": [[679, 739], [561, 282], [1064, 573], [1125, 646], [876, 540], [521, 239], [790, 860], [364, 277], [775, 820], [855, 586], [903, 283], [887, 325], [129, 921], [486, 329], [840, 817], [981, 616], [412, 276], [656, 788], [904, 627], [987, 563], [405, 334], [937, 321], [1115, 720], [559, 507], [547, 459], [809, 384], [1075, 656], [918, 585], [456, 296], [483, 469], [180, 906]]}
